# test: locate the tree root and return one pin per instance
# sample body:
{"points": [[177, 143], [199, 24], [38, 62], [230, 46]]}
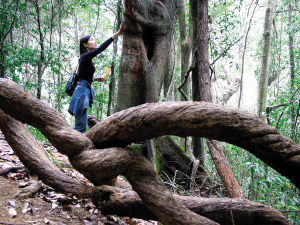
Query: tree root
{"points": [[29, 191]]}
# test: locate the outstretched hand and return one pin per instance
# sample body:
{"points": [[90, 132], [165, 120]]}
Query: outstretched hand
{"points": [[120, 31], [115, 35]]}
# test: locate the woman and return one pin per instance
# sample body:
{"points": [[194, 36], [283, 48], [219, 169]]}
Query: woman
{"points": [[83, 95]]}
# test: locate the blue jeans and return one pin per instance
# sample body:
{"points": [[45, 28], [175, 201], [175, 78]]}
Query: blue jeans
{"points": [[81, 100], [81, 121]]}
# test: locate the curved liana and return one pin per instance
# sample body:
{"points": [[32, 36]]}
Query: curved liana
{"points": [[90, 156]]}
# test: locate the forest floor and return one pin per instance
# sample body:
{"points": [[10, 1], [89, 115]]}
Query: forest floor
{"points": [[46, 206]]}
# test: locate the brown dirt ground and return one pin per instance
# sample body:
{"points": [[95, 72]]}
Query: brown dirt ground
{"points": [[44, 208]]}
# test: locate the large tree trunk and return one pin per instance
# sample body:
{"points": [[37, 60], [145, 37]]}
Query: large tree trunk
{"points": [[152, 120], [148, 30]]}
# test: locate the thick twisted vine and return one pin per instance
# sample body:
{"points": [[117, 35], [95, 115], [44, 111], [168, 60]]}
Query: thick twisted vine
{"points": [[150, 120], [80, 150]]}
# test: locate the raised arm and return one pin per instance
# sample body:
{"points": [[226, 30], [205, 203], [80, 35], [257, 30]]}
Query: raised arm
{"points": [[93, 53]]}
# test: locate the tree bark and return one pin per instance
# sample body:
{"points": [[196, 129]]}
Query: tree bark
{"points": [[200, 75], [263, 80], [101, 165], [148, 30], [201, 79], [224, 211], [231, 185]]}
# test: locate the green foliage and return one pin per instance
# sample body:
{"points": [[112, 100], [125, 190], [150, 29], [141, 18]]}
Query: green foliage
{"points": [[225, 26], [37, 134], [285, 114]]}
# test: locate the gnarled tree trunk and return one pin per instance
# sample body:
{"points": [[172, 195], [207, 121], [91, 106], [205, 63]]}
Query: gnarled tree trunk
{"points": [[148, 30]]}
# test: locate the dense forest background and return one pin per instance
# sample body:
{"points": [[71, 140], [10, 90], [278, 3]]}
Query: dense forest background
{"points": [[39, 51]]}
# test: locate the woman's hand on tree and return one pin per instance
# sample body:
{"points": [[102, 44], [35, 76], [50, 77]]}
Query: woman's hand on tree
{"points": [[115, 35]]}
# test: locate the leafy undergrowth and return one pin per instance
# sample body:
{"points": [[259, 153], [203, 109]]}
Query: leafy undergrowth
{"points": [[47, 206]]}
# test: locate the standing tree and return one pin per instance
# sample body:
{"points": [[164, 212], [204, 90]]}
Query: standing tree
{"points": [[294, 109], [112, 84], [202, 91], [185, 44], [149, 27], [8, 19], [264, 66], [200, 75], [42, 59]]}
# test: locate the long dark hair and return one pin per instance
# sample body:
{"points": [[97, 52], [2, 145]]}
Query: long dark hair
{"points": [[83, 40]]}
